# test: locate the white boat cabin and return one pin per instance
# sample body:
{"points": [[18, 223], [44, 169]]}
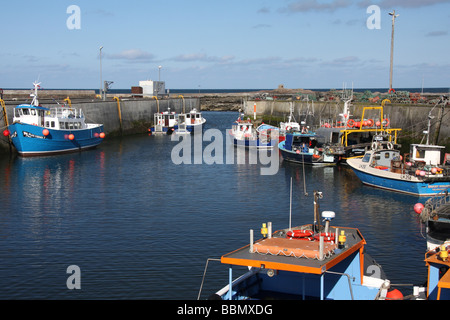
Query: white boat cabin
{"points": [[166, 119], [194, 117], [430, 154], [55, 118]]}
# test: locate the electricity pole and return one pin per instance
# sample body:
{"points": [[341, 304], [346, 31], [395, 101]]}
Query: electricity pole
{"points": [[392, 48]]}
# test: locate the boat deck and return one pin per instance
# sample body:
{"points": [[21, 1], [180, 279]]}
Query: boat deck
{"points": [[280, 253]]}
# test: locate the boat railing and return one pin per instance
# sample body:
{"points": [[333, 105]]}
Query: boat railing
{"points": [[432, 204], [204, 275], [67, 113]]}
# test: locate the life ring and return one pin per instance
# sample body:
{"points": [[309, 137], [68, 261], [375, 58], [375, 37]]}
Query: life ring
{"points": [[386, 122], [327, 236], [288, 128], [391, 90], [374, 146], [299, 233], [370, 123], [390, 146], [351, 123]]}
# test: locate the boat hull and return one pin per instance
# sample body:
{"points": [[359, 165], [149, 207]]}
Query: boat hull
{"points": [[398, 182], [195, 127], [29, 140]]}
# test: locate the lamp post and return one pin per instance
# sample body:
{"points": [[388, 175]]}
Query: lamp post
{"points": [[394, 16], [101, 80], [159, 73]]}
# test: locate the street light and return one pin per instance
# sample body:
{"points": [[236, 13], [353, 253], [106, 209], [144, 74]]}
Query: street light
{"points": [[159, 73], [394, 16], [101, 80]]}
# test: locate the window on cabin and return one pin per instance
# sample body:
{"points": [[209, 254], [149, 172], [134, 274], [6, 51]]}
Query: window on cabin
{"points": [[420, 154], [366, 157], [26, 112], [33, 112], [52, 124]]}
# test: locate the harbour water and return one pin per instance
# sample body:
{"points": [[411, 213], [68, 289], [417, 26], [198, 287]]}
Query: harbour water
{"points": [[139, 226]]}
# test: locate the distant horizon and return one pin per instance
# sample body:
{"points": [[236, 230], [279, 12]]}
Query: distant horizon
{"points": [[230, 90]]}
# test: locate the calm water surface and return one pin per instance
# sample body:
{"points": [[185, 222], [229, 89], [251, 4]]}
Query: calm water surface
{"points": [[140, 227]]}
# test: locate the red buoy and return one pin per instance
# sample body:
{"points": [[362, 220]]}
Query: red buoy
{"points": [[71, 136], [394, 295], [45, 132], [418, 207], [6, 132], [102, 135]]}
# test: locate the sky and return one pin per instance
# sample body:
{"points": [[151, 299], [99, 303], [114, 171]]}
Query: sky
{"points": [[232, 44]]}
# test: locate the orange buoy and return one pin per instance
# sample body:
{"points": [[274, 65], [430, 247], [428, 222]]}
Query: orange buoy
{"points": [[418, 207], [45, 132], [102, 135], [394, 295], [71, 136]]}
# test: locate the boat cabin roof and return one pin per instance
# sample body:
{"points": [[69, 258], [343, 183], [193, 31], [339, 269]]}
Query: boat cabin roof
{"points": [[282, 253], [30, 106]]}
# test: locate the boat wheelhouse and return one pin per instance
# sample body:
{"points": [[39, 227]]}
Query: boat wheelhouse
{"points": [[165, 122], [194, 121]]}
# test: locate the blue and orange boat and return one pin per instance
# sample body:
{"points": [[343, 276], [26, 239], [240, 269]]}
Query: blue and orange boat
{"points": [[38, 131], [308, 262]]}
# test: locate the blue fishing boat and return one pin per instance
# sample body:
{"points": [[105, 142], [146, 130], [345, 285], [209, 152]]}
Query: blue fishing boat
{"points": [[38, 130], [419, 173], [308, 262], [243, 134], [303, 147]]}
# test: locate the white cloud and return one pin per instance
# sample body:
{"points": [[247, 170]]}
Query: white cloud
{"points": [[132, 55], [315, 5]]}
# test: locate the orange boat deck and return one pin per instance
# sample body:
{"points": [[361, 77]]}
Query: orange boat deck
{"points": [[279, 253]]}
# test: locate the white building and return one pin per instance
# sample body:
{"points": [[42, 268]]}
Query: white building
{"points": [[153, 88]]}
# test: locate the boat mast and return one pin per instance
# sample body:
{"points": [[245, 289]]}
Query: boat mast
{"points": [[34, 95], [317, 195]]}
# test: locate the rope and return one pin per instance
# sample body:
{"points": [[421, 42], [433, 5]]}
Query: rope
{"points": [[292, 254]]}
